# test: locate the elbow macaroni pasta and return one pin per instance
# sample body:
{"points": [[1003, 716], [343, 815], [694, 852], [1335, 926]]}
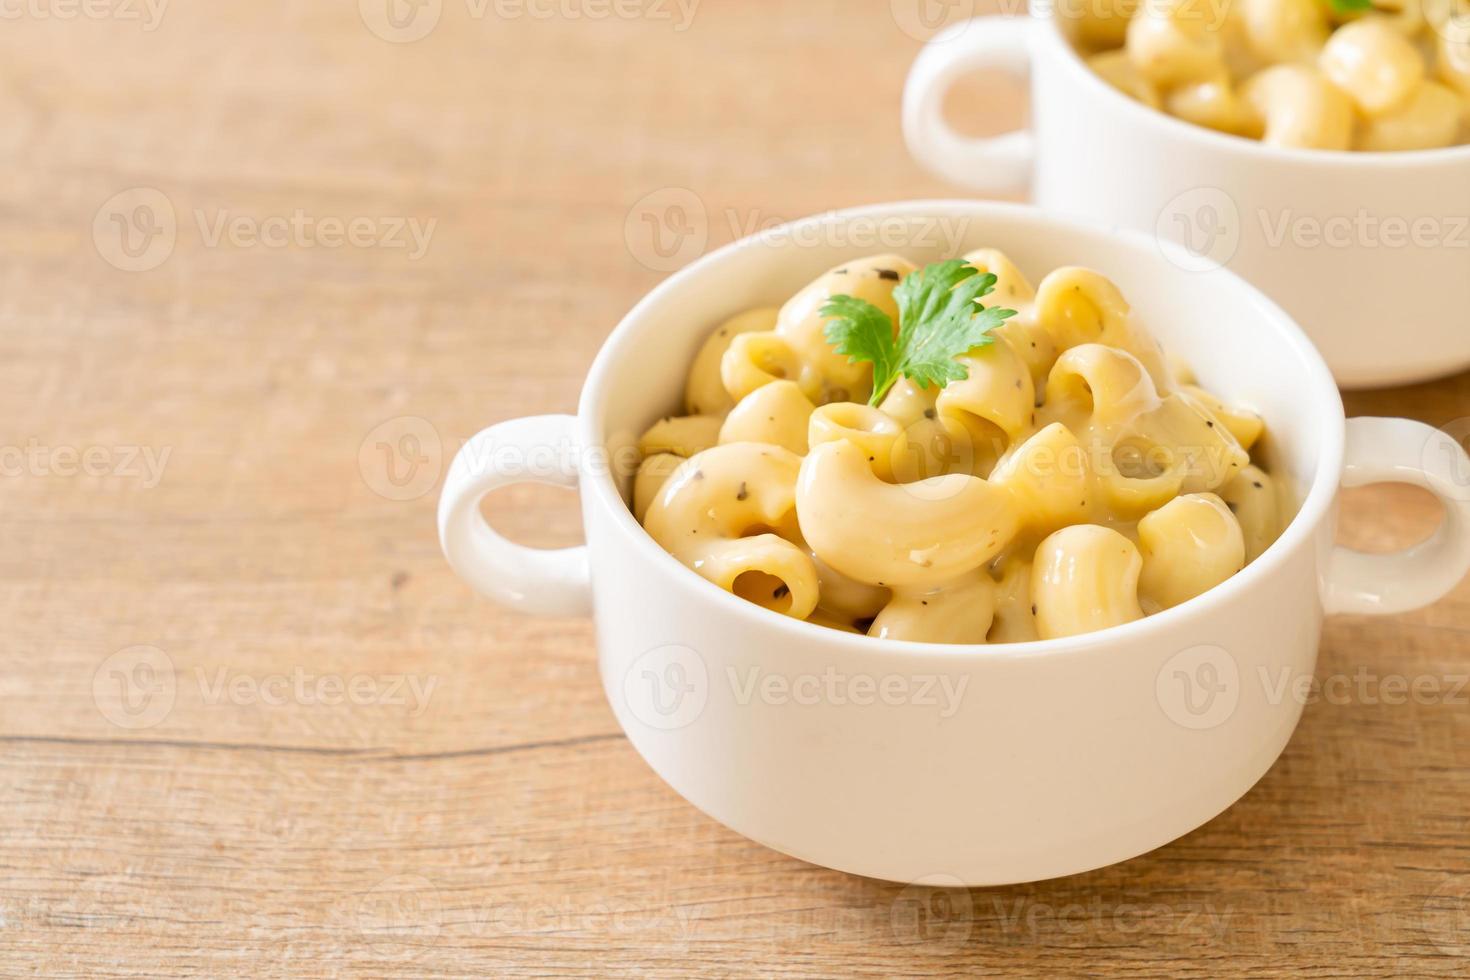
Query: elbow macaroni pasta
{"points": [[1074, 480], [1085, 578], [1189, 546], [729, 513], [1292, 73]]}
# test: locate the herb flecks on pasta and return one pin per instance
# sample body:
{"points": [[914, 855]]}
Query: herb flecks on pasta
{"points": [[1371, 75], [885, 454]]}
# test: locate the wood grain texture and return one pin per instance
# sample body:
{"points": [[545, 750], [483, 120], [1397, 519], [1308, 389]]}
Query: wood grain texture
{"points": [[179, 795]]}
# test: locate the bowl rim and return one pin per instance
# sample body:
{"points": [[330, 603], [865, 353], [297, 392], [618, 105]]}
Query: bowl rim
{"points": [[1241, 146], [1315, 504]]}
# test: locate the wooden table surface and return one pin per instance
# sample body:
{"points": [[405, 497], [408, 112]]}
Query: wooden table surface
{"points": [[250, 724]]}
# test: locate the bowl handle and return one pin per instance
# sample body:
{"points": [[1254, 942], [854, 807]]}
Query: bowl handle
{"points": [[994, 164], [539, 449], [1403, 451]]}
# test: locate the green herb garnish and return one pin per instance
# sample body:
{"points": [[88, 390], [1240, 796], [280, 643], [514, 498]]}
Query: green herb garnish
{"points": [[939, 318], [1351, 6]]}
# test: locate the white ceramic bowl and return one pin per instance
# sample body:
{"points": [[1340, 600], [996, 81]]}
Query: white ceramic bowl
{"points": [[1370, 252], [972, 765]]}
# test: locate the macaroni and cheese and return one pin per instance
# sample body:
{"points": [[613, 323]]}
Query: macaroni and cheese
{"points": [[1073, 478], [1295, 73]]}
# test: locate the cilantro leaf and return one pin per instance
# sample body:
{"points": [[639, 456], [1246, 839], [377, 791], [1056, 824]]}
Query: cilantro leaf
{"points": [[1351, 6], [940, 318], [864, 333]]}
